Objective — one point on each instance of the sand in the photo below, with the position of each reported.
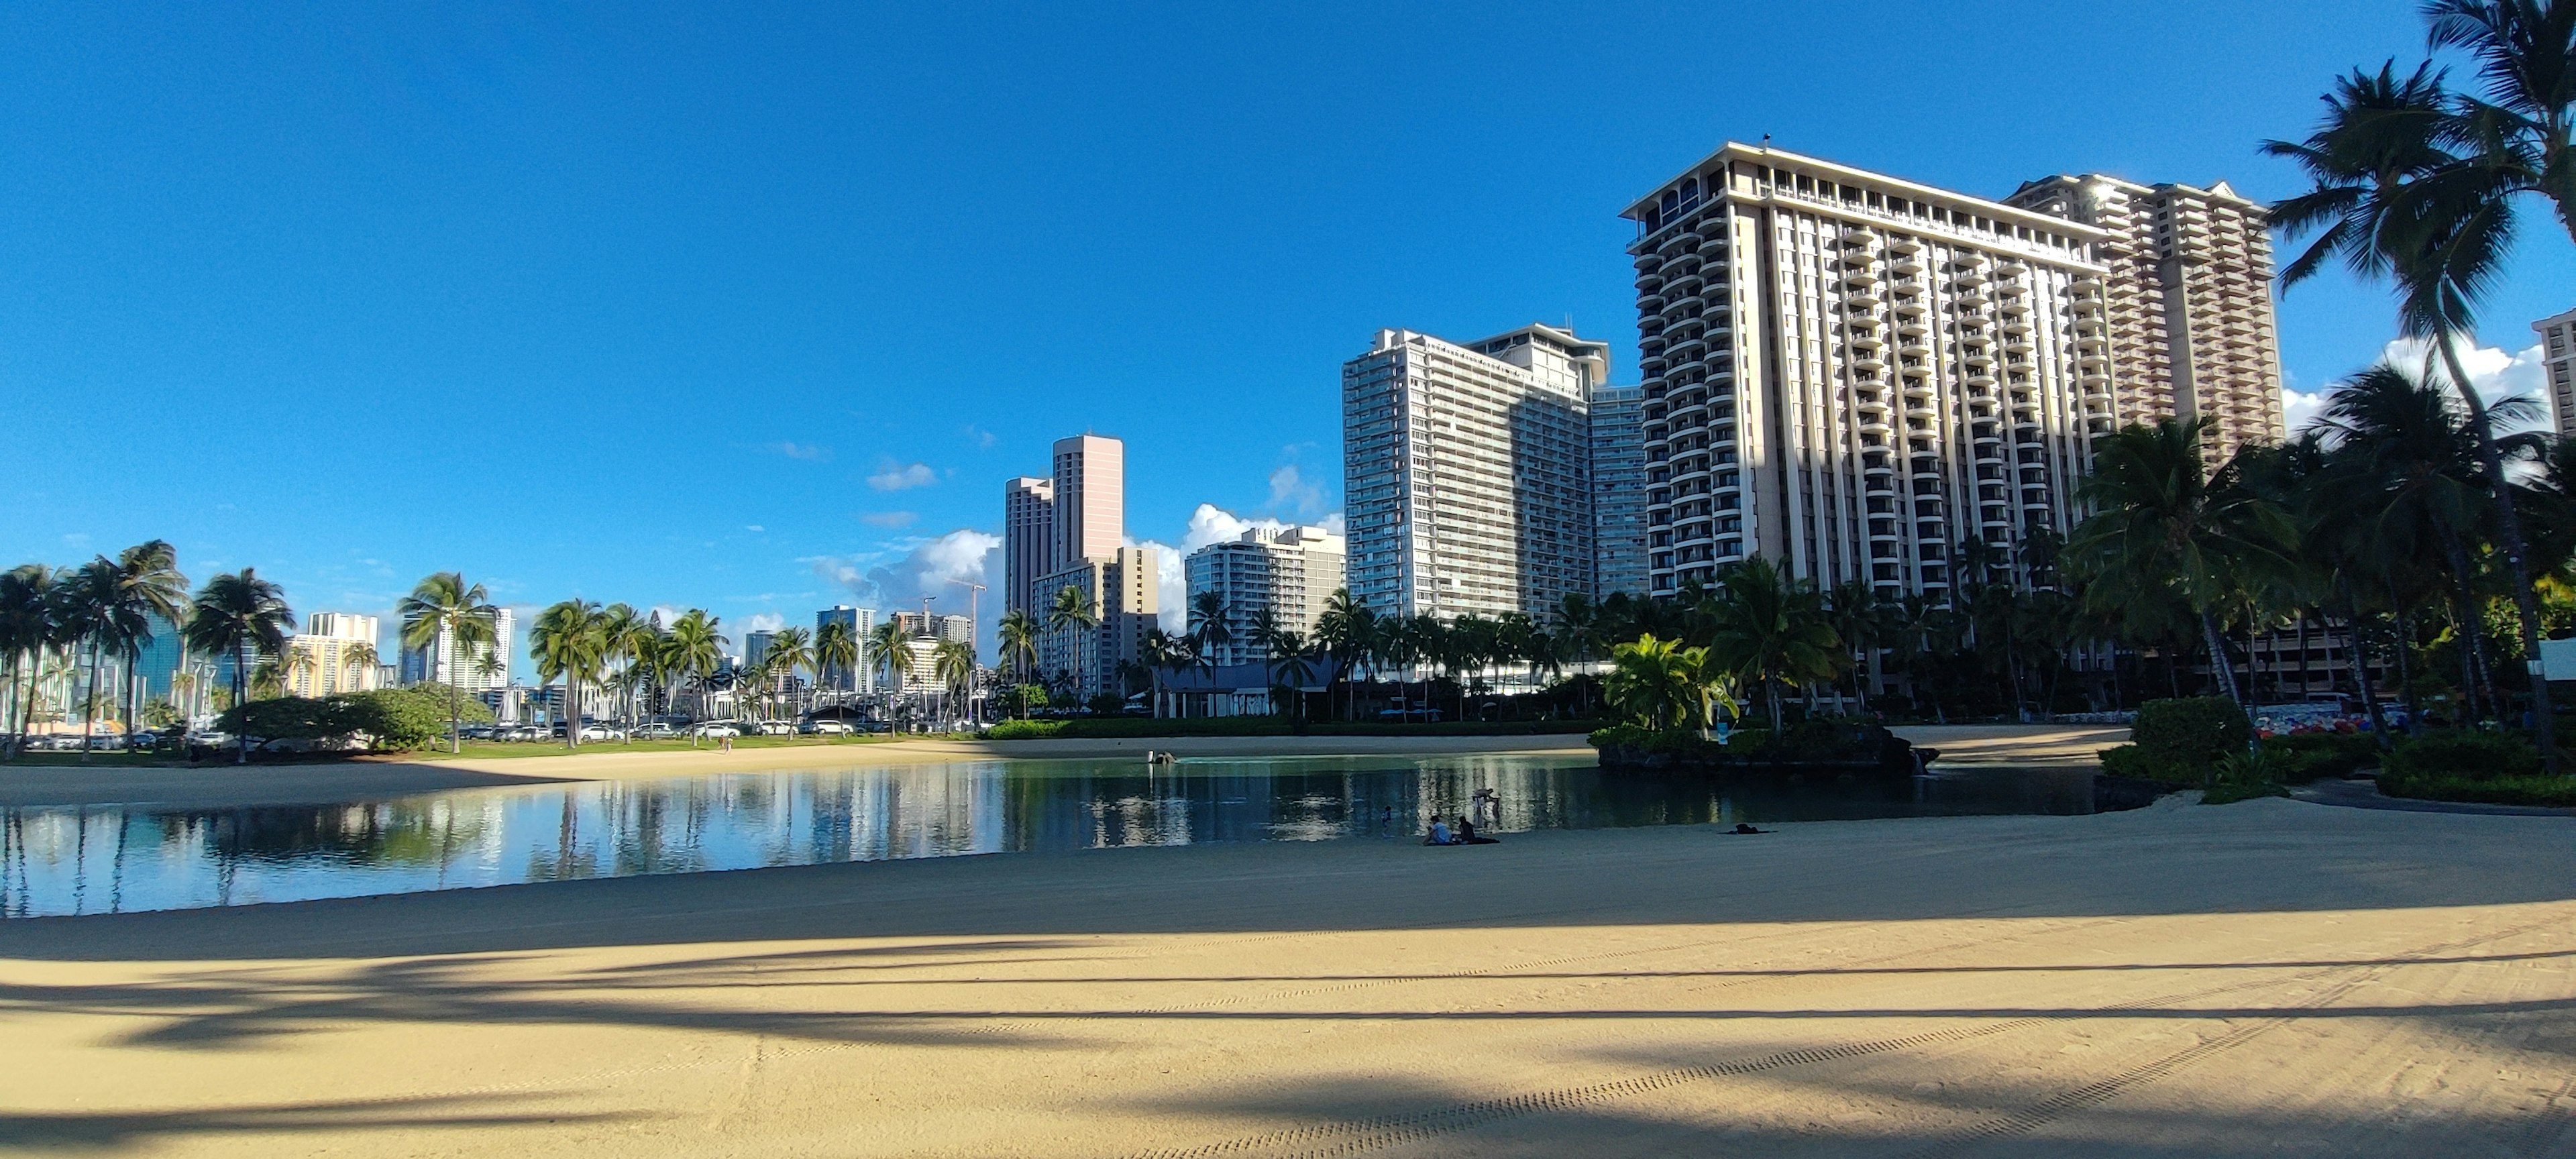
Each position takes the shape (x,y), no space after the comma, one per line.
(215,785)
(2269,977)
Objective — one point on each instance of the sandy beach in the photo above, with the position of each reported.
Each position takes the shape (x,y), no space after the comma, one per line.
(215,785)
(2266,977)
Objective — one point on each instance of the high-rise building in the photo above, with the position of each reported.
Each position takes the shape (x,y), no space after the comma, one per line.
(1028,539)
(440,662)
(326,658)
(2558,366)
(1618,425)
(1288,572)
(1122,588)
(1467,471)
(2192,332)
(1851,373)
(755,647)
(1090,507)
(936,628)
(859,677)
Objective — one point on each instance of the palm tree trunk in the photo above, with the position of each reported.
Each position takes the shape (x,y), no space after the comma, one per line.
(2509,536)
(241,693)
(2361,674)
(2218,658)
(125,679)
(89,702)
(2406,670)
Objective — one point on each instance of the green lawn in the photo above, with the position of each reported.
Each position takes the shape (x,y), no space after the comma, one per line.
(555,748)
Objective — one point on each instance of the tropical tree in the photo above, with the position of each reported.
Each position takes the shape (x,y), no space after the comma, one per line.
(791,650)
(145,583)
(1664,685)
(1291,664)
(240,615)
(1346,630)
(952,663)
(445,612)
(692,653)
(2418,186)
(31,624)
(836,651)
(1860,617)
(2160,531)
(1072,611)
(356,660)
(88,616)
(1771,629)
(569,642)
(1016,636)
(890,650)
(1210,622)
(626,639)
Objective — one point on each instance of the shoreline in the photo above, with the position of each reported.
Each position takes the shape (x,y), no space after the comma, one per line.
(216,785)
(2160,982)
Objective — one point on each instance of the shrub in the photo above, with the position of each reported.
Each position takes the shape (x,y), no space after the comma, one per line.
(389,719)
(2461,752)
(2312,756)
(2243,775)
(2195,732)
(2133,761)
(2516,789)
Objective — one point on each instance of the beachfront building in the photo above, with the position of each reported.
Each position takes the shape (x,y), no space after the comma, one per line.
(478,667)
(1288,572)
(1851,373)
(2558,367)
(1028,539)
(1467,471)
(1121,588)
(326,658)
(2189,295)
(1618,424)
(858,622)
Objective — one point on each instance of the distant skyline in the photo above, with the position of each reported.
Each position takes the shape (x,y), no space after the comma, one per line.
(756,309)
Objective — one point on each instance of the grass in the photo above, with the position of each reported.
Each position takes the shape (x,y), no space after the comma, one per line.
(1141,728)
(473,749)
(2510,789)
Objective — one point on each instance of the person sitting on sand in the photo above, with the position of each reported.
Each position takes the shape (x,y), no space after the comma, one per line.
(1439,833)
(1467,833)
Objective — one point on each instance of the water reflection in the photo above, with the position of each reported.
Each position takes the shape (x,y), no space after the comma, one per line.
(89,860)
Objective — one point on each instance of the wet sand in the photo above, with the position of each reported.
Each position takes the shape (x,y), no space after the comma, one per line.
(2263,978)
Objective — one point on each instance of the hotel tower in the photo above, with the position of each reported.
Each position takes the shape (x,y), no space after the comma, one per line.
(1852,374)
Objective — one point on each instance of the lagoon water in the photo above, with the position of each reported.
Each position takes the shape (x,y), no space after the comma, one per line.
(102,859)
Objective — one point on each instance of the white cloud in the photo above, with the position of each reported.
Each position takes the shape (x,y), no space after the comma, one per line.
(764,622)
(796,450)
(2496,373)
(1171,585)
(890,583)
(979,436)
(897,477)
(887,518)
(753,527)
(1290,492)
(1214,524)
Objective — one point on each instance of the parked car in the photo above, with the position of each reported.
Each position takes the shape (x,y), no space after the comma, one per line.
(776,728)
(591,732)
(826,727)
(655,731)
(715,730)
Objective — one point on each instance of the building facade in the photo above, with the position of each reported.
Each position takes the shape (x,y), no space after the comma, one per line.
(1467,472)
(2189,289)
(1851,374)
(335,653)
(1618,424)
(858,622)
(1288,572)
(1122,590)
(1090,508)
(2558,367)
(440,662)
(1028,539)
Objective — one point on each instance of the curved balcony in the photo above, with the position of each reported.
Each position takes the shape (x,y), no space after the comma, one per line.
(2013,308)
(1970,300)
(1860,280)
(1969,321)
(1898,243)
(1861,300)
(1908,306)
(1858,235)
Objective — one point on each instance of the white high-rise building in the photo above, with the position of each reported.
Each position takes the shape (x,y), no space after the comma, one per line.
(1618,424)
(1467,471)
(1851,373)
(1028,539)
(2558,367)
(2190,293)
(1288,572)
(325,657)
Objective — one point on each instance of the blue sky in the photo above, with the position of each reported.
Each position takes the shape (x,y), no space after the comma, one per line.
(754,307)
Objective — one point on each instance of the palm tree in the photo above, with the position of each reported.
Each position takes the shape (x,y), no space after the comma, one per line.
(2161,531)
(791,650)
(1291,663)
(89,594)
(1769,629)
(445,612)
(1664,685)
(1860,616)
(1345,629)
(356,660)
(569,642)
(1211,622)
(2526,54)
(626,637)
(1016,636)
(146,583)
(2394,201)
(30,624)
(1071,610)
(953,664)
(238,614)
(692,652)
(890,650)
(836,651)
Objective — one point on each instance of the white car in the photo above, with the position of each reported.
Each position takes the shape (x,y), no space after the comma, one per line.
(776,728)
(595,732)
(716,730)
(828,728)
(655,731)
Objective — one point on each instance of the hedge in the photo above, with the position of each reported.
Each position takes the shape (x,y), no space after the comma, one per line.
(391,719)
